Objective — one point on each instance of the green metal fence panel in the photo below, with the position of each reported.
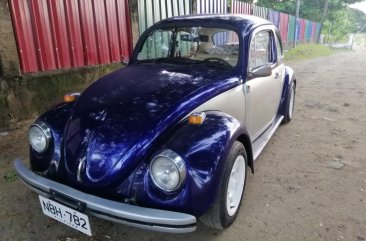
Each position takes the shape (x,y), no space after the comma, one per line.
(291,28)
(306,30)
(317,30)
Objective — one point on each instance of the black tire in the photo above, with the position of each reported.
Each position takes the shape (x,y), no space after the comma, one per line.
(289,111)
(217,215)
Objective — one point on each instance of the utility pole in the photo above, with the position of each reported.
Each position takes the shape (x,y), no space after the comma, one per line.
(323,19)
(296,20)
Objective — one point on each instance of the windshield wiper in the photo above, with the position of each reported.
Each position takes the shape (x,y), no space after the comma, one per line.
(170,60)
(219,63)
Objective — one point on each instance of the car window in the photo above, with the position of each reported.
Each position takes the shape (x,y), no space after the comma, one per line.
(186,45)
(156,45)
(279,47)
(260,50)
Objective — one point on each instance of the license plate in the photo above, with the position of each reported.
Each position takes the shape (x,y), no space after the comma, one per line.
(66,215)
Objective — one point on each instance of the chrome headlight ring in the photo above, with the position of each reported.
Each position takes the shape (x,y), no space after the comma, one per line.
(43,131)
(165,167)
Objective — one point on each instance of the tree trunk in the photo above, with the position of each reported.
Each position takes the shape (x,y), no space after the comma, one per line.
(323,18)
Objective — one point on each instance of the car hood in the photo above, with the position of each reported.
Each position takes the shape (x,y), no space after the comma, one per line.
(117,120)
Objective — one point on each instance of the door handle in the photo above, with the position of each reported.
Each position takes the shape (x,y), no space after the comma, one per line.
(247,89)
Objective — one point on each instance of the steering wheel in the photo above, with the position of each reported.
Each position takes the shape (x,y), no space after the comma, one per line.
(215,59)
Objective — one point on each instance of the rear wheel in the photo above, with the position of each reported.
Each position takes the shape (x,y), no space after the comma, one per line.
(290,104)
(226,206)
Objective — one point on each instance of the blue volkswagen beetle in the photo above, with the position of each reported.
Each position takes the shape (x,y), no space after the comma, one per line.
(169,138)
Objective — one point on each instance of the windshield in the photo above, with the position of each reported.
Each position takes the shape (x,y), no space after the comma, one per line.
(186,45)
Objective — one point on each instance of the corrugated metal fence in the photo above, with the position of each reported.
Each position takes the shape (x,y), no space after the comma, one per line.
(214,6)
(260,11)
(152,11)
(53,34)
(211,6)
(241,7)
(306,30)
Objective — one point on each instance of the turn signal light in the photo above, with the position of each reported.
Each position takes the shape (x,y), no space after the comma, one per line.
(197,118)
(68,98)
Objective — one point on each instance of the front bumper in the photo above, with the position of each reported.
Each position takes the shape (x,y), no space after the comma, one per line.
(146,218)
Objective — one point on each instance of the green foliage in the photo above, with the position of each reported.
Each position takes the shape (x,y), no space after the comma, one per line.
(341,19)
(338,25)
(358,17)
(342,22)
(309,9)
(307,51)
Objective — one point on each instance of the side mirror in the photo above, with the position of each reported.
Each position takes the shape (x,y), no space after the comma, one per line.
(262,71)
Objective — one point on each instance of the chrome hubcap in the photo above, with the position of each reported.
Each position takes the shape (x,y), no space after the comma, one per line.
(235,185)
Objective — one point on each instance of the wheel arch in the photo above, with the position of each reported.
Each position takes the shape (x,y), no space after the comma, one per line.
(56,119)
(245,140)
(205,149)
(289,79)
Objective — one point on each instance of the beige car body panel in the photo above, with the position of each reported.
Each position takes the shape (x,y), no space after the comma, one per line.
(242,101)
(231,102)
(267,91)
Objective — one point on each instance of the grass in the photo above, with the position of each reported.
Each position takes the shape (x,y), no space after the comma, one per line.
(307,51)
(10,176)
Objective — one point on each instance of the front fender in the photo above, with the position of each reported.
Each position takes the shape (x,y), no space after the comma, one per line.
(56,119)
(289,79)
(205,149)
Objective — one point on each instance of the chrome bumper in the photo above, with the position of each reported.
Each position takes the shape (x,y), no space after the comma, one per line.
(146,218)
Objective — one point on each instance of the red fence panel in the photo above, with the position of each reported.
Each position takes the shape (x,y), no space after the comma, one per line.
(101,32)
(283,26)
(112,28)
(23,28)
(76,50)
(302,29)
(59,28)
(124,30)
(54,34)
(313,33)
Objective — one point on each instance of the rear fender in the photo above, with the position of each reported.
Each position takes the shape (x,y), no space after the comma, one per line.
(205,149)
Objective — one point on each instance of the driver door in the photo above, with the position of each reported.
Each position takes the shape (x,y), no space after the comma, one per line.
(261,92)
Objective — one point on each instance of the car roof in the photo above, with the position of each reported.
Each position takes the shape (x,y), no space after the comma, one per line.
(237,20)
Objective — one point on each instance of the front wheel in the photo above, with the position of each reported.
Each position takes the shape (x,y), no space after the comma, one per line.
(226,206)
(290,104)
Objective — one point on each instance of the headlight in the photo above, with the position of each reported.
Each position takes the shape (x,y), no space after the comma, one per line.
(168,170)
(39,136)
